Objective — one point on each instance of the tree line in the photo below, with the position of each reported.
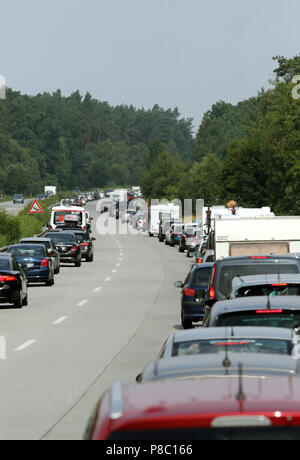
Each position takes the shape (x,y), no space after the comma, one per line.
(78,141)
(249,152)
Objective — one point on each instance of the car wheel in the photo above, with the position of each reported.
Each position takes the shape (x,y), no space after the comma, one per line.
(50,283)
(90,259)
(78,264)
(18,302)
(186,324)
(25,301)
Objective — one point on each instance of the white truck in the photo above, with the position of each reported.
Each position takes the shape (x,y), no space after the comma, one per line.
(157,211)
(50,190)
(256,236)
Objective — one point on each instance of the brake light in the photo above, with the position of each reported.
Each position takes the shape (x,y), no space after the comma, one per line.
(175,234)
(85,244)
(45,263)
(8,278)
(75,248)
(189,292)
(259,257)
(259,312)
(199,261)
(212,293)
(278,284)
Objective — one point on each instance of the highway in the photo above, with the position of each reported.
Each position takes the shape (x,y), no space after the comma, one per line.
(99,323)
(11,208)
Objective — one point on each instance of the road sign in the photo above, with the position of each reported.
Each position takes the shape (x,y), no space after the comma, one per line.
(35,208)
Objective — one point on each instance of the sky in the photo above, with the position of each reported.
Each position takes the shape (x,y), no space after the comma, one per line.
(176,53)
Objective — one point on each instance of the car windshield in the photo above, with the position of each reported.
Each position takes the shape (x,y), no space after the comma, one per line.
(261,317)
(253,345)
(59,216)
(62,237)
(201,277)
(5,264)
(228,272)
(269,290)
(26,250)
(19,196)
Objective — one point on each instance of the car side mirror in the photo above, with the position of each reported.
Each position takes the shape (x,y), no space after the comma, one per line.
(178,284)
(139,378)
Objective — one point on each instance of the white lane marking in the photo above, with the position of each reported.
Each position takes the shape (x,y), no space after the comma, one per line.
(98,289)
(118,265)
(121,259)
(108,279)
(114,271)
(25,345)
(60,320)
(81,304)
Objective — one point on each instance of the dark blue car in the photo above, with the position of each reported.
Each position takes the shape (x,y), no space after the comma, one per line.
(194,292)
(35,262)
(176,235)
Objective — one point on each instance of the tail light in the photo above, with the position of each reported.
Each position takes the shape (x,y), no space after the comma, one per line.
(45,263)
(278,284)
(199,261)
(212,293)
(85,244)
(176,234)
(7,278)
(268,311)
(259,257)
(189,292)
(75,248)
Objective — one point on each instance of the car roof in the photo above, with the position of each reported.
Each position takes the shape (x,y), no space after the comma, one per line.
(35,239)
(20,244)
(255,258)
(152,405)
(265,279)
(202,266)
(67,208)
(205,365)
(234,332)
(254,303)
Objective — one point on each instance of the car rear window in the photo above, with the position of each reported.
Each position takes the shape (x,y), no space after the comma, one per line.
(261,317)
(44,243)
(228,272)
(59,216)
(252,345)
(201,276)
(5,264)
(62,237)
(27,250)
(269,290)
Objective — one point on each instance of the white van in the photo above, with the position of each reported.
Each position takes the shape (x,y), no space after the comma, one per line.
(61,213)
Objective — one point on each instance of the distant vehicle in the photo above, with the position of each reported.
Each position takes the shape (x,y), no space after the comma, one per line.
(266,285)
(233,407)
(207,257)
(234,339)
(279,311)
(51,250)
(13,282)
(226,269)
(157,213)
(188,232)
(41,197)
(193,294)
(86,243)
(193,242)
(60,214)
(176,235)
(50,190)
(35,262)
(68,247)
(164,226)
(169,233)
(19,199)
(221,365)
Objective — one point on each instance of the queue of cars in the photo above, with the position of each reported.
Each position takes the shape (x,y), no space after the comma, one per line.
(38,259)
(237,375)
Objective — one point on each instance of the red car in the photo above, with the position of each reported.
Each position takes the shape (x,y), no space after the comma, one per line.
(223,408)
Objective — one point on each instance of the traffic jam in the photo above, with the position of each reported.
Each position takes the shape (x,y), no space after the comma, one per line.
(37,260)
(232,371)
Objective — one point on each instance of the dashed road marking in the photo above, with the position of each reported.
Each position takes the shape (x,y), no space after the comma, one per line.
(25,345)
(81,304)
(60,320)
(98,289)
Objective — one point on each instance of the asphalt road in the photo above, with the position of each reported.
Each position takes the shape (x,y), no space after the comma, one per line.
(99,323)
(12,208)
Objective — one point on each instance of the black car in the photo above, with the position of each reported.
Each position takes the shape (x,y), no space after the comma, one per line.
(68,247)
(278,311)
(226,269)
(86,243)
(13,282)
(194,292)
(50,247)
